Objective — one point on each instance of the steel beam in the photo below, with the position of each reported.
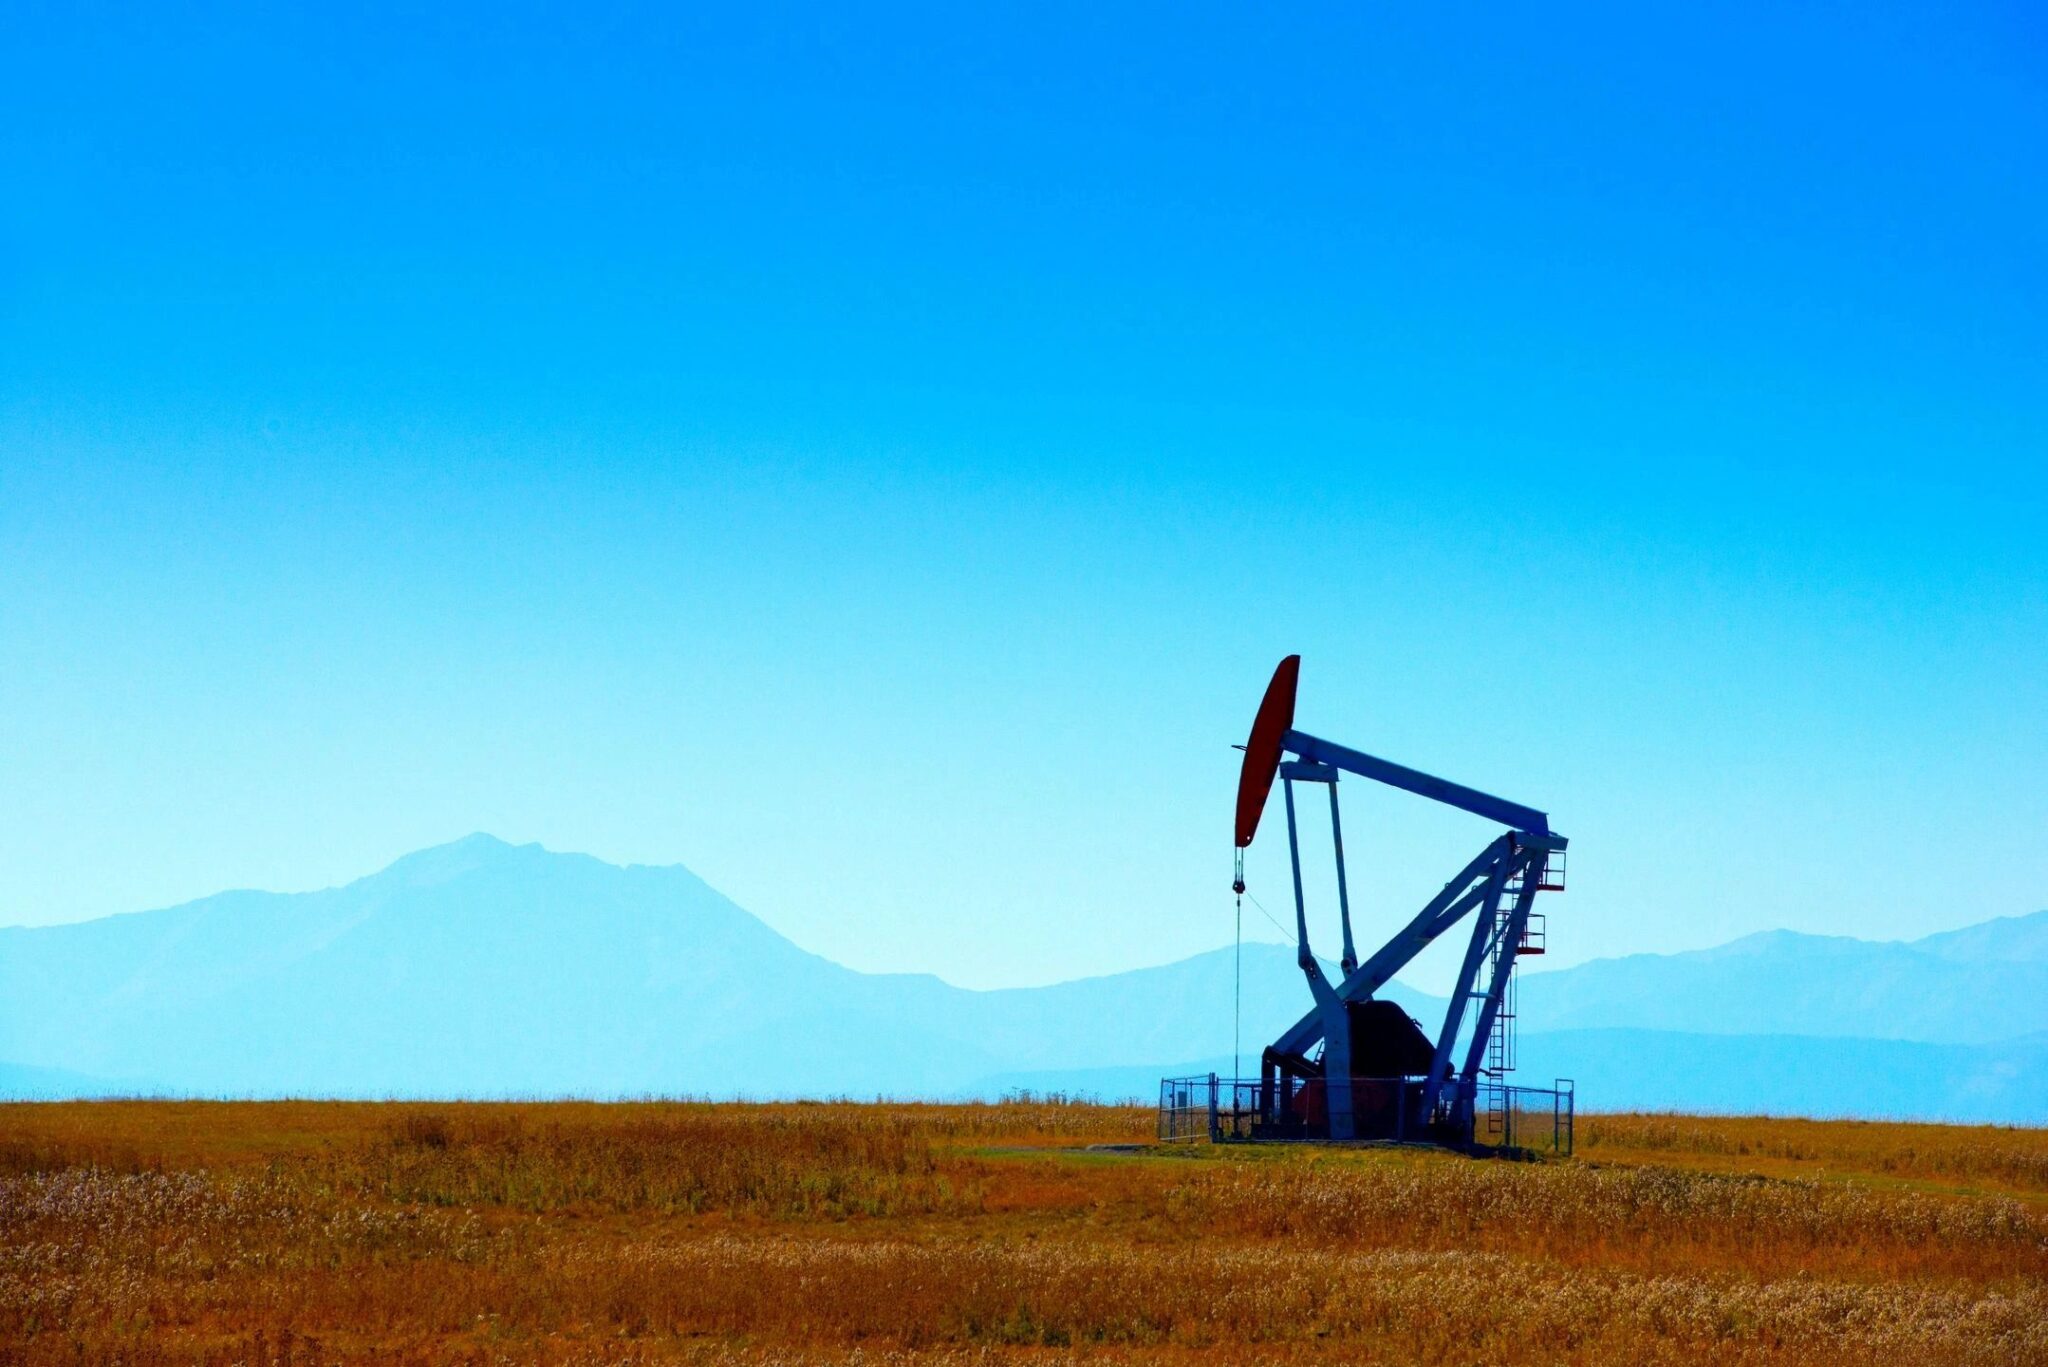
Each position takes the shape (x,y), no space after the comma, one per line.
(1315,750)
(1350,960)
(1304,957)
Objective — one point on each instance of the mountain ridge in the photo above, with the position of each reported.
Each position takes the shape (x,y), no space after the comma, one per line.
(480,967)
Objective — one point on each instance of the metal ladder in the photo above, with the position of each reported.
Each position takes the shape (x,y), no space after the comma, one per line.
(1500,1045)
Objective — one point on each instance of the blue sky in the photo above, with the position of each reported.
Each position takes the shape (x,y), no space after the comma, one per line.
(875,459)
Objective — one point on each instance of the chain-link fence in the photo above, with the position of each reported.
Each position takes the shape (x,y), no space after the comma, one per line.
(1528,1119)
(1284,1107)
(1208,1106)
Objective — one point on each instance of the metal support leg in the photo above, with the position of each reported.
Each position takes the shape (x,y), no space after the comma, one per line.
(1486,916)
(1337,1063)
(1511,935)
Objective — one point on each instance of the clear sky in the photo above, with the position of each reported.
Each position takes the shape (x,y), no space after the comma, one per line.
(876,458)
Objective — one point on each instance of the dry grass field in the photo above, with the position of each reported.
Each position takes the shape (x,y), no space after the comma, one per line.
(328,1233)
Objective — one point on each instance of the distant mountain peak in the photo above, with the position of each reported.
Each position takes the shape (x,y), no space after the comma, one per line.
(444,863)
(1764,942)
(2009,939)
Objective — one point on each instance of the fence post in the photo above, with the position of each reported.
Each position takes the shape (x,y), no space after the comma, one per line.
(1215,1128)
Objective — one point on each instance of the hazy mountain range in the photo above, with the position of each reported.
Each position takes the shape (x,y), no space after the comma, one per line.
(480,968)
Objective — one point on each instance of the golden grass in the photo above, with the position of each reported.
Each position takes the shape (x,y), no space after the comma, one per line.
(174,1233)
(2005,1158)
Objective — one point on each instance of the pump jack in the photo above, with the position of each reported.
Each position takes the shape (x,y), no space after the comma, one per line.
(1377,1074)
